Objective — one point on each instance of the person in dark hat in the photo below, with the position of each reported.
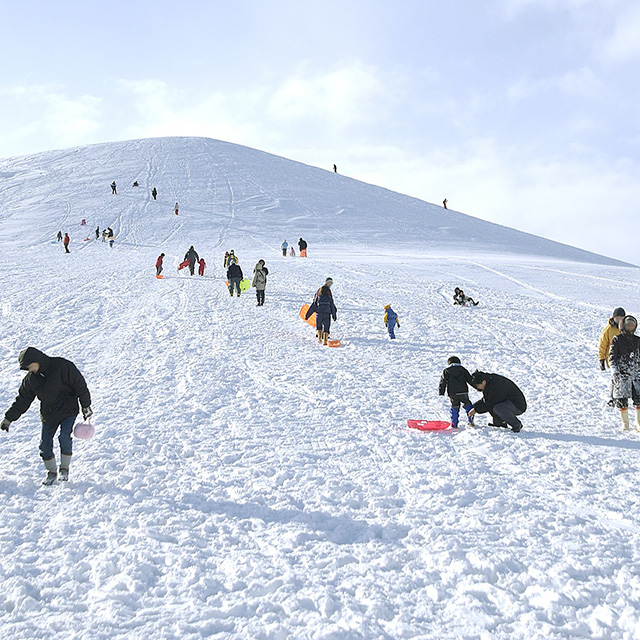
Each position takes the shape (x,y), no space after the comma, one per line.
(608,334)
(624,358)
(501,397)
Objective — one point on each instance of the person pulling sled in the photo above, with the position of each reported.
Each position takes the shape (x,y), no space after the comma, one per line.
(325,309)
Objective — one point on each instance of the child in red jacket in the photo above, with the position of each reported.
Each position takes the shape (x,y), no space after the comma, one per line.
(202,264)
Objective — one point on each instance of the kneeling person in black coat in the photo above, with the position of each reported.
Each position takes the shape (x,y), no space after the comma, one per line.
(58,385)
(502,398)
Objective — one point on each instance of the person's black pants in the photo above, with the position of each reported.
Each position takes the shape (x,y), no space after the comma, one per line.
(260,296)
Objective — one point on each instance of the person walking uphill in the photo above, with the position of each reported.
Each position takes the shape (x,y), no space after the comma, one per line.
(201,266)
(59,386)
(66,242)
(191,257)
(325,309)
(234,276)
(501,398)
(114,190)
(624,359)
(608,334)
(259,283)
(454,382)
(391,321)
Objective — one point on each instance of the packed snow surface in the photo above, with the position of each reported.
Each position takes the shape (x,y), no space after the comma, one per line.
(246,482)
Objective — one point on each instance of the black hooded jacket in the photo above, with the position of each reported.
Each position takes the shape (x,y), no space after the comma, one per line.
(58,385)
(500,389)
(192,256)
(454,381)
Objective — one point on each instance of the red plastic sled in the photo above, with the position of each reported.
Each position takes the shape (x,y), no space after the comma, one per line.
(312,318)
(183,265)
(428,425)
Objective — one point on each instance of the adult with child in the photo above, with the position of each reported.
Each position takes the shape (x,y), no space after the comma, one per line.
(461,299)
(59,386)
(611,330)
(234,277)
(624,359)
(501,397)
(259,283)
(454,382)
(325,309)
(190,259)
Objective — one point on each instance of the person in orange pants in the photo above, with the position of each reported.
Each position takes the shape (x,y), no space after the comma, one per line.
(202,264)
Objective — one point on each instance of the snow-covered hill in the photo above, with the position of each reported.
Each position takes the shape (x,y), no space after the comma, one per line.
(245,482)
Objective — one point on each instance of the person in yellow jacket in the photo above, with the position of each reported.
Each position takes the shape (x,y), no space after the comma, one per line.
(608,334)
(391,321)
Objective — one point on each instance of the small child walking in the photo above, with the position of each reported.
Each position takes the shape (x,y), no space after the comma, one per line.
(202,264)
(454,382)
(159,264)
(391,321)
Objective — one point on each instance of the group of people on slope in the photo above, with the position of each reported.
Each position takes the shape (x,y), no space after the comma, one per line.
(460,298)
(191,257)
(619,349)
(107,234)
(501,397)
(302,245)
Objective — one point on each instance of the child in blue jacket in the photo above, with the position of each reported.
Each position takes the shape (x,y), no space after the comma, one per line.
(391,320)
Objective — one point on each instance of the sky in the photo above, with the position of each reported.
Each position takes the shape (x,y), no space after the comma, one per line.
(521,112)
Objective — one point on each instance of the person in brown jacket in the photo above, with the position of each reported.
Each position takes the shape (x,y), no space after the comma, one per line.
(608,334)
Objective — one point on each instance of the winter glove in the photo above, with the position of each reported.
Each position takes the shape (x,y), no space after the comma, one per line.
(603,364)
(87,412)
(5,425)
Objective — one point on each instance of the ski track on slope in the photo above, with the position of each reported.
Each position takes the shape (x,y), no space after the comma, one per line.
(246,482)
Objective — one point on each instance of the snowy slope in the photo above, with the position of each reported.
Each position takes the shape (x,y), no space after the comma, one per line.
(245,482)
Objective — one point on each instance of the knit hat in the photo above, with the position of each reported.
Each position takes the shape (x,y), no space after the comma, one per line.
(618,311)
(387,306)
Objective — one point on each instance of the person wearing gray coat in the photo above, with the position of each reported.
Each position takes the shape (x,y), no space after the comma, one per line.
(624,358)
(260,273)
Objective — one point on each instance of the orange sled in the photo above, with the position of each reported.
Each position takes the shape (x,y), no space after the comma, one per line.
(312,319)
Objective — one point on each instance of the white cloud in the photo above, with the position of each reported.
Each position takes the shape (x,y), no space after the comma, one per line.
(582,82)
(624,44)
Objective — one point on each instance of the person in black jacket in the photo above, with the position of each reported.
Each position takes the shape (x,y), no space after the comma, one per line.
(302,245)
(325,309)
(193,257)
(234,276)
(154,193)
(454,382)
(58,385)
(501,398)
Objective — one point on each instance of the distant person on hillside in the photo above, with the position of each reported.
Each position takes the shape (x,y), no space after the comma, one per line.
(391,321)
(154,193)
(327,283)
(234,276)
(114,190)
(59,386)
(59,236)
(226,259)
(444,203)
(608,334)
(260,273)
(104,235)
(460,298)
(175,209)
(325,309)
(66,242)
(97,233)
(292,252)
(624,358)
(159,264)
(335,169)
(454,382)
(232,259)
(191,257)
(135,184)
(201,266)
(110,235)
(83,222)
(284,247)
(501,398)
(302,245)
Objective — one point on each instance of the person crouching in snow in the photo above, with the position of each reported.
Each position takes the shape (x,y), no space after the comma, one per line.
(501,397)
(325,309)
(260,273)
(454,382)
(159,262)
(201,265)
(624,360)
(391,321)
(58,385)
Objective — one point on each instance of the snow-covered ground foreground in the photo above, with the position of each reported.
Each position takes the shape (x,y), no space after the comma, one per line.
(245,482)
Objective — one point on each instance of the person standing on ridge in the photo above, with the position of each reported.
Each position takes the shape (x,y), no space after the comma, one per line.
(114,190)
(66,242)
(175,209)
(454,382)
(608,334)
(624,359)
(59,386)
(159,264)
(335,169)
(154,193)
(234,276)
(202,264)
(302,245)
(260,273)
(501,397)
(284,247)
(444,203)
